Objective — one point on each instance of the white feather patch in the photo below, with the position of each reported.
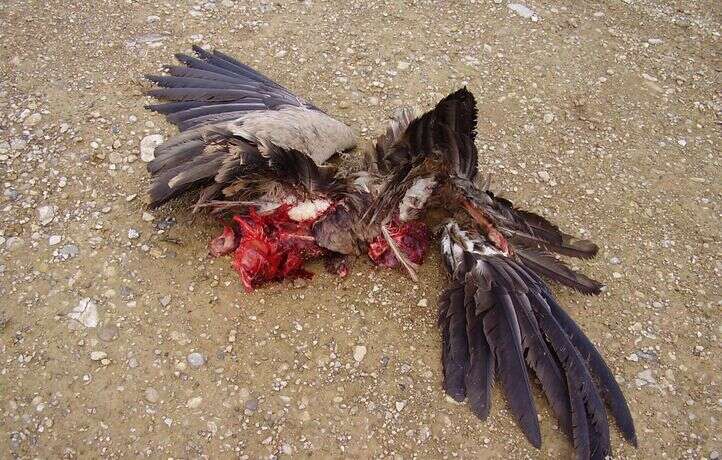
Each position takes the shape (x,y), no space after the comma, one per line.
(415,198)
(308,210)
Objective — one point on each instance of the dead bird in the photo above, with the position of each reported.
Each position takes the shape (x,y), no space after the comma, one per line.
(497,315)
(254,151)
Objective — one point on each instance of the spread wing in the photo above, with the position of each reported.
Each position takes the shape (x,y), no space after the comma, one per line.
(235,171)
(498,320)
(416,153)
(213,98)
(434,156)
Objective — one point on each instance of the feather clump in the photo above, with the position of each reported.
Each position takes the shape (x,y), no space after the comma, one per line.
(498,318)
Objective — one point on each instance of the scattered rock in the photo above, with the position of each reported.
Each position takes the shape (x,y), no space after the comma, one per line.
(151,395)
(645,378)
(108,332)
(422,303)
(523,11)
(543,176)
(32,120)
(133,234)
(649,77)
(165,300)
(359,352)
(18,144)
(251,405)
(424,434)
(14,243)
(68,251)
(54,239)
(98,355)
(148,145)
(46,214)
(195,360)
(84,314)
(194,402)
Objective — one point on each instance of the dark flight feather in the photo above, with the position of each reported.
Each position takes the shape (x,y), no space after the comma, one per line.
(192,82)
(479,376)
(581,380)
(541,360)
(502,332)
(608,385)
(200,94)
(523,325)
(547,265)
(183,71)
(195,112)
(452,319)
(533,230)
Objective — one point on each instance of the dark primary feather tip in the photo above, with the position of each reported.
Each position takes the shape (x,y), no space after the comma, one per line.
(523,328)
(585,248)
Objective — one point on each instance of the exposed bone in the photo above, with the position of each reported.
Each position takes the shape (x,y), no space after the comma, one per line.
(408,265)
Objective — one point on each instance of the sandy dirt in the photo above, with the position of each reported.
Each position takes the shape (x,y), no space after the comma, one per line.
(604,116)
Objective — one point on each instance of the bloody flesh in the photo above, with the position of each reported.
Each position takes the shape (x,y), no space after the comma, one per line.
(272,246)
(412,238)
(267,247)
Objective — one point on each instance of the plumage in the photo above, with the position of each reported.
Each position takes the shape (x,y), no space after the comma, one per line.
(455,356)
(556,270)
(608,386)
(522,331)
(222,105)
(256,151)
(502,332)
(581,381)
(479,376)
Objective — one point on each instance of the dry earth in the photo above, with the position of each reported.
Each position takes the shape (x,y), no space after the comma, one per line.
(603,115)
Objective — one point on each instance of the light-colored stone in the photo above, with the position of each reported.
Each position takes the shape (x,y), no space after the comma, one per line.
(46,214)
(359,353)
(148,145)
(151,395)
(544,176)
(32,120)
(195,360)
(98,355)
(84,314)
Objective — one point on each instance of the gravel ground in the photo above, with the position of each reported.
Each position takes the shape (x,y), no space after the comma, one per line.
(119,337)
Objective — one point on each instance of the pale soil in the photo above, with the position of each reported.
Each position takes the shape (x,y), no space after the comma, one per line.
(625,128)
